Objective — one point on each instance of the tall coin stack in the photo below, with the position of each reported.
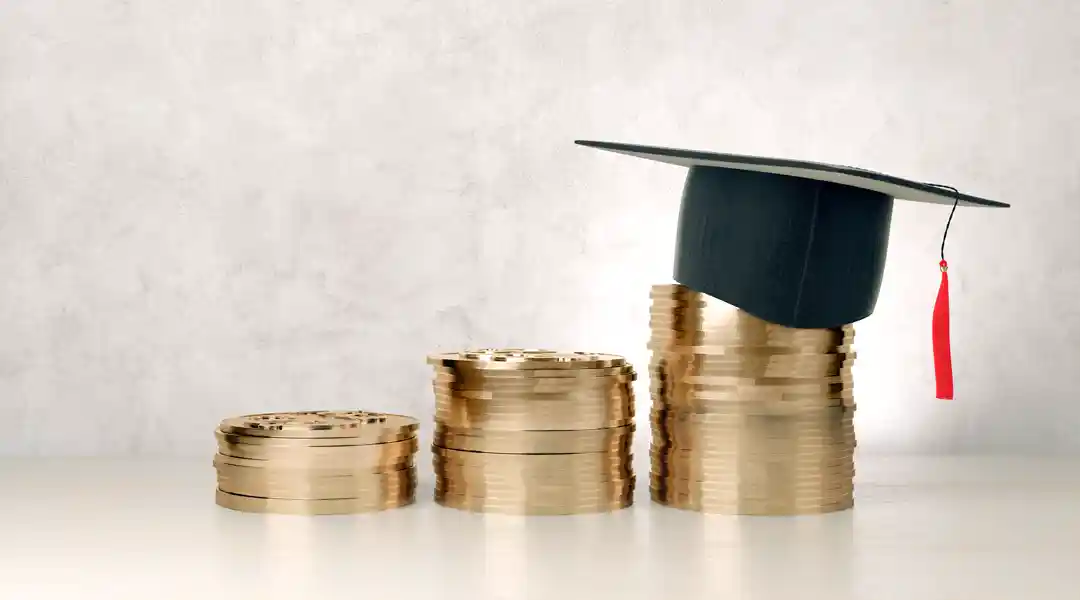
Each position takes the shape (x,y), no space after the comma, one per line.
(316,462)
(748,417)
(533,431)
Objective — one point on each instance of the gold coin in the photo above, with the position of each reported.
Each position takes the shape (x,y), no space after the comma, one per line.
(545,474)
(569,502)
(763,453)
(726,424)
(824,414)
(752,455)
(378,485)
(810,371)
(593,386)
(354,454)
(532,471)
(354,425)
(779,494)
(616,394)
(567,376)
(764,408)
(746,440)
(666,388)
(372,464)
(535,416)
(536,493)
(760,407)
(744,476)
(310,507)
(691,438)
(560,404)
(300,443)
(267,469)
(506,359)
(525,460)
(610,439)
(717,451)
(723,355)
(473,504)
(756,507)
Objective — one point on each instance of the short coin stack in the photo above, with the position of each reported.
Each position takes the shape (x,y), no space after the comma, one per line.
(533,431)
(316,462)
(748,417)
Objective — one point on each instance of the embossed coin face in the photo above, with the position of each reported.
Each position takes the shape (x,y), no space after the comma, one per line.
(362,426)
(518,358)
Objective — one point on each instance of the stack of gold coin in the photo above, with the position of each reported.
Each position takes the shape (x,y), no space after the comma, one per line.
(533,431)
(748,417)
(316,462)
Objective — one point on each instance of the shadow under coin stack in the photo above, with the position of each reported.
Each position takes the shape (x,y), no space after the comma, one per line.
(748,417)
(316,462)
(533,431)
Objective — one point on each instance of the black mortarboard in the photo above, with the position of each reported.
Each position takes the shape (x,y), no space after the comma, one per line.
(796,243)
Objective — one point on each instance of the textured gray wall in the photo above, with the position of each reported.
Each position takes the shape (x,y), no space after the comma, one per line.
(209,208)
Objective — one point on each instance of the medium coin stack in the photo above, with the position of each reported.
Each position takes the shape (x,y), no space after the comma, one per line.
(533,431)
(316,462)
(748,417)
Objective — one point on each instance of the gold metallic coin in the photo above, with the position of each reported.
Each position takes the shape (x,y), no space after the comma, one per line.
(763,368)
(492,359)
(590,386)
(764,408)
(355,425)
(526,460)
(475,504)
(759,507)
(300,443)
(369,454)
(761,407)
(566,376)
(536,493)
(765,453)
(671,390)
(536,475)
(691,437)
(823,493)
(532,416)
(719,450)
(745,476)
(824,414)
(311,507)
(320,488)
(619,394)
(611,439)
(375,463)
(274,469)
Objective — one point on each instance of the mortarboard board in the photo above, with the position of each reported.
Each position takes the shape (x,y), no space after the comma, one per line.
(796,243)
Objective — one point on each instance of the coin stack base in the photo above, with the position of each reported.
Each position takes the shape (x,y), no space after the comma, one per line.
(533,432)
(316,462)
(748,417)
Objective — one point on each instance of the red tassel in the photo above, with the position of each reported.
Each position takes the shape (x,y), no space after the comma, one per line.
(942,349)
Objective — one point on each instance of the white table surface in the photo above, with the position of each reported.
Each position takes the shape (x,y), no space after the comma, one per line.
(923,528)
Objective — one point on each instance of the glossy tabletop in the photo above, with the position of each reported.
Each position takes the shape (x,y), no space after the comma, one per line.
(926,528)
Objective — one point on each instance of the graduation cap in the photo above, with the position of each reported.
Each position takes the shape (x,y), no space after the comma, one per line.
(796,243)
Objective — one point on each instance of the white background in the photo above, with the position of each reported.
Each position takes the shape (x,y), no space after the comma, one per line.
(211,208)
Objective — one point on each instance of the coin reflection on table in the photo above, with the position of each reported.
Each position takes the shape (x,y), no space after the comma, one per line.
(533,432)
(748,417)
(316,462)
